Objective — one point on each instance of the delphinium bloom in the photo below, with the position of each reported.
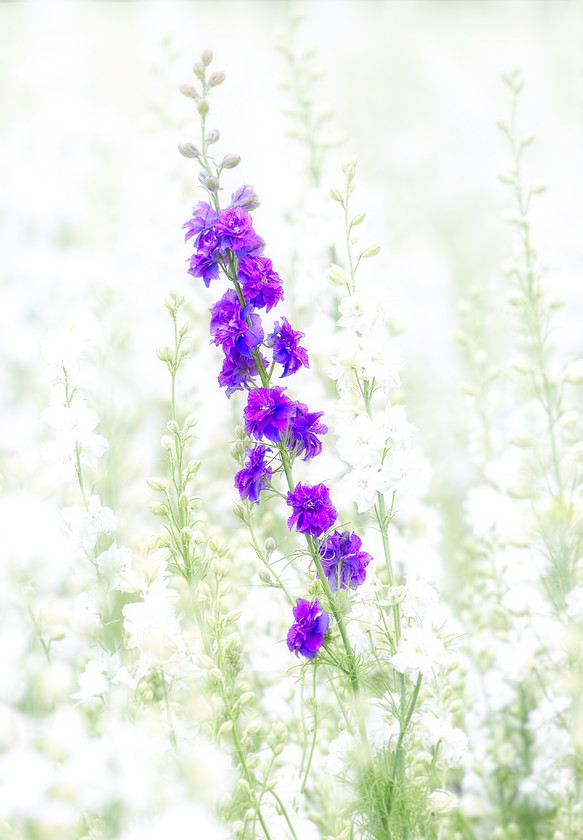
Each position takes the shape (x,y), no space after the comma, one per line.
(261,284)
(304,430)
(313,512)
(267,413)
(286,349)
(203,218)
(343,561)
(237,371)
(256,474)
(234,326)
(234,231)
(204,261)
(306,635)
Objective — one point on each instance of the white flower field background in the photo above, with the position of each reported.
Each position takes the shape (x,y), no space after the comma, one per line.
(291,440)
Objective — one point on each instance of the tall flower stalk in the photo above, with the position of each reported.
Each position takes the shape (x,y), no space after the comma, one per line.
(279,429)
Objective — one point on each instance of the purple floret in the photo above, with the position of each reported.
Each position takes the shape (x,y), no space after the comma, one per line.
(203,218)
(343,561)
(261,284)
(235,327)
(267,413)
(234,230)
(256,474)
(303,431)
(237,371)
(204,261)
(313,512)
(286,349)
(306,635)
(245,197)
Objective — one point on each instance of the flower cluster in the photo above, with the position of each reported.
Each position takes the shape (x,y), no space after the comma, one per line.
(225,241)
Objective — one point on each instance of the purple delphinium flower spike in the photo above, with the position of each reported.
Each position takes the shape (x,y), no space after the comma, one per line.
(256,474)
(234,230)
(303,430)
(343,561)
(286,349)
(313,512)
(267,413)
(306,635)
(261,284)
(230,325)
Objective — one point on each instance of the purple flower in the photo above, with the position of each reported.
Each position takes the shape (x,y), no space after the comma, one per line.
(256,474)
(261,284)
(203,262)
(237,371)
(245,197)
(267,413)
(286,349)
(306,635)
(203,218)
(313,512)
(303,430)
(343,561)
(234,326)
(234,230)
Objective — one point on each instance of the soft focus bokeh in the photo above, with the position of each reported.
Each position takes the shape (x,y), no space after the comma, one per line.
(93,194)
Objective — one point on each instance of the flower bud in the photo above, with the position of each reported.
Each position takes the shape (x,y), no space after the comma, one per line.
(159,509)
(372,251)
(230,161)
(217,78)
(203,108)
(442,801)
(212,184)
(336,275)
(269,546)
(172,427)
(189,91)
(213,136)
(207,57)
(188,150)
(164,354)
(158,484)
(265,576)
(198,70)
(204,591)
(225,728)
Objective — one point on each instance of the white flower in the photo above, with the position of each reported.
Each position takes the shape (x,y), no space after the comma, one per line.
(112,561)
(363,486)
(397,427)
(442,801)
(358,312)
(420,599)
(73,425)
(362,442)
(452,743)
(344,366)
(151,624)
(85,524)
(380,728)
(336,761)
(93,682)
(379,360)
(419,650)
(85,618)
